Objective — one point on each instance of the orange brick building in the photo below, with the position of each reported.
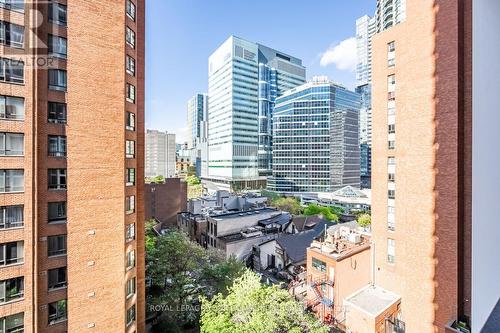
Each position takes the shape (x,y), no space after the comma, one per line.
(336,268)
(71,166)
(421,180)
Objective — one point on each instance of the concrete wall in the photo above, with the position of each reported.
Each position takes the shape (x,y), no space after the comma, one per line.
(486,161)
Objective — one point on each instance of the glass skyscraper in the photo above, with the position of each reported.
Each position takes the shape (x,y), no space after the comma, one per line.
(316,139)
(244,80)
(197,108)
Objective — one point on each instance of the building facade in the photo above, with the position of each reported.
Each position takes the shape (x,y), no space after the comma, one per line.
(366,27)
(197,141)
(389,13)
(244,80)
(421,184)
(163,201)
(161,154)
(196,111)
(316,139)
(72,221)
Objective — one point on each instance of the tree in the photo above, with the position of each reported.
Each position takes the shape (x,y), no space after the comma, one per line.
(192,180)
(180,272)
(364,220)
(290,204)
(253,307)
(326,212)
(158,179)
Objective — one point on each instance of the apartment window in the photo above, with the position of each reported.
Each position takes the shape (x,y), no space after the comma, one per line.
(11,289)
(130,204)
(57,179)
(11,70)
(58,79)
(130,177)
(11,253)
(131,10)
(130,259)
(56,245)
(391,251)
(130,235)
(391,54)
(391,177)
(11,181)
(130,65)
(131,315)
(130,37)
(130,93)
(57,113)
(11,107)
(130,121)
(391,144)
(391,221)
(130,289)
(57,278)
(391,194)
(392,128)
(318,265)
(58,13)
(57,145)
(57,212)
(58,46)
(14,5)
(13,323)
(11,144)
(11,217)
(11,34)
(130,149)
(391,46)
(58,311)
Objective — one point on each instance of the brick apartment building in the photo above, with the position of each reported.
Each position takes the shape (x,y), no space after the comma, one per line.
(72,129)
(421,175)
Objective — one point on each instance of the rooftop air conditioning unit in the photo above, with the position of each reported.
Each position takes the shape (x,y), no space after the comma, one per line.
(354,238)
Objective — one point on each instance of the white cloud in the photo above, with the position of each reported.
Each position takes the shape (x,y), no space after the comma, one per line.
(343,55)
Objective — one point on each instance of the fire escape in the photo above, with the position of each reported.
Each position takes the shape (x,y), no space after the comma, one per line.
(321,298)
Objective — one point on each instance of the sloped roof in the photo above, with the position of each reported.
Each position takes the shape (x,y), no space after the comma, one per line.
(303,222)
(295,245)
(493,323)
(349,192)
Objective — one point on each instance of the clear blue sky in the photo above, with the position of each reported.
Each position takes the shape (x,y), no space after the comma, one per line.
(181,34)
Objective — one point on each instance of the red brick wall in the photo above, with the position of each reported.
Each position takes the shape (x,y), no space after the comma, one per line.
(164,201)
(428,163)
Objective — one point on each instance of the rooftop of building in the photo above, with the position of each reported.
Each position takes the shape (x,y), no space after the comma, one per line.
(347,194)
(259,214)
(342,241)
(272,225)
(315,82)
(295,245)
(372,300)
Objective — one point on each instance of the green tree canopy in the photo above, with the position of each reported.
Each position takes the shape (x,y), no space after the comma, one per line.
(326,212)
(158,179)
(364,220)
(192,180)
(180,272)
(289,204)
(251,307)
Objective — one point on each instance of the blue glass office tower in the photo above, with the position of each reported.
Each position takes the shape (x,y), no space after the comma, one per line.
(316,139)
(244,81)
